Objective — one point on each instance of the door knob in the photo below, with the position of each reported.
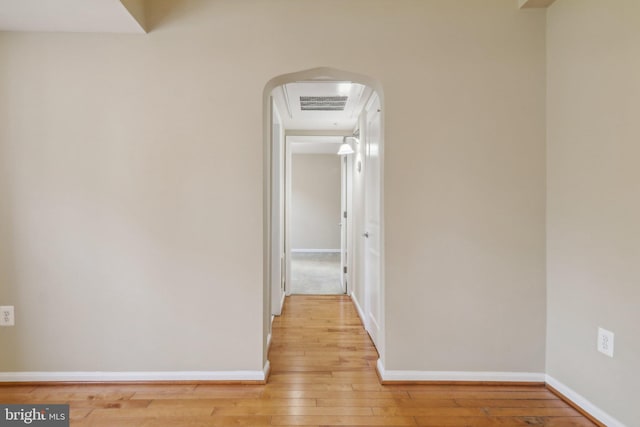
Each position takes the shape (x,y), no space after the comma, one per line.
(366,234)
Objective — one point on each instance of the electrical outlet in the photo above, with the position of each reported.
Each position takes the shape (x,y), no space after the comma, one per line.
(605,342)
(6,315)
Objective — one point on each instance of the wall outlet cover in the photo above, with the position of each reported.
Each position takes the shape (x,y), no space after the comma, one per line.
(7,317)
(605,342)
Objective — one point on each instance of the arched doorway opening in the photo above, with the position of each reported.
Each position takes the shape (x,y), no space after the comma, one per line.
(320,107)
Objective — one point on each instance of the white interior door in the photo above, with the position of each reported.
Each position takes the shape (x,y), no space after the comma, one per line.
(343,224)
(372,241)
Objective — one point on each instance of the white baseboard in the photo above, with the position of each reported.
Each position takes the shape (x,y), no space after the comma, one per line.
(583,403)
(358,308)
(316,250)
(134,376)
(532,377)
(266,370)
(269,334)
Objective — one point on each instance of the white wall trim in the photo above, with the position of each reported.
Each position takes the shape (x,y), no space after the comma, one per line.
(269,334)
(265,370)
(316,250)
(358,309)
(583,403)
(134,376)
(533,377)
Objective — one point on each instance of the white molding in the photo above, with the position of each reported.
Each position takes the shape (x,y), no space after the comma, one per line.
(315,250)
(375,323)
(269,334)
(265,370)
(533,377)
(358,308)
(287,102)
(133,376)
(583,403)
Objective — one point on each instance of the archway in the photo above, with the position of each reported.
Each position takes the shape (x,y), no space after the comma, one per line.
(368,294)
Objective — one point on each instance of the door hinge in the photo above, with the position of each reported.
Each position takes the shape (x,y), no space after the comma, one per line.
(344,214)
(344,269)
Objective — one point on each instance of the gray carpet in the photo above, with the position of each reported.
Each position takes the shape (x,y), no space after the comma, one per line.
(315,273)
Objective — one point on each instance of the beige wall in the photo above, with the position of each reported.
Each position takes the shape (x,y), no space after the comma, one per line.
(132,182)
(315,201)
(465,191)
(593,248)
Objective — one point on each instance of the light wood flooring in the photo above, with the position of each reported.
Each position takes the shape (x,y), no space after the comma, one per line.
(322,375)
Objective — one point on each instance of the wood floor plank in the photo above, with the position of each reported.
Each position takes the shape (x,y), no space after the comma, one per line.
(477,422)
(243,403)
(463,394)
(207,421)
(310,387)
(310,394)
(513,403)
(534,412)
(112,404)
(388,403)
(12,389)
(296,410)
(342,421)
(322,374)
(431,412)
(201,395)
(567,422)
(76,414)
(151,412)
(503,421)
(52,396)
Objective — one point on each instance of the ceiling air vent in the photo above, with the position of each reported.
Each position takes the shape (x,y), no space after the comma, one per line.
(323,103)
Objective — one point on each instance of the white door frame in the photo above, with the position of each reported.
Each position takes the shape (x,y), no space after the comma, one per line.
(271,229)
(345,229)
(288,185)
(277,210)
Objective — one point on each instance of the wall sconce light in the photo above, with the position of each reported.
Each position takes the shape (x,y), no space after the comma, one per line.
(346,148)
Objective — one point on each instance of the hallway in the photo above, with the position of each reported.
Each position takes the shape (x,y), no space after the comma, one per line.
(322,375)
(315,273)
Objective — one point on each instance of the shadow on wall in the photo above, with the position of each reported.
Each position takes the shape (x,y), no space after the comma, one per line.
(162,12)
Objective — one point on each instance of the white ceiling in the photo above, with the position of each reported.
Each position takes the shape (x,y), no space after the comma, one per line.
(287,99)
(91,16)
(315,144)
